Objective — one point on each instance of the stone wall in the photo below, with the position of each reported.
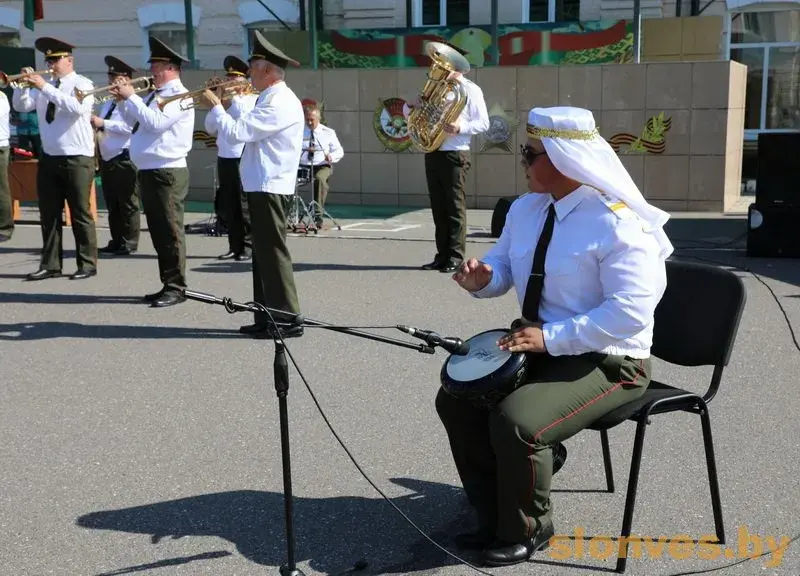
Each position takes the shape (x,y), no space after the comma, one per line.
(689,159)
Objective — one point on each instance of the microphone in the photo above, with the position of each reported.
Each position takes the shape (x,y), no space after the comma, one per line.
(453,345)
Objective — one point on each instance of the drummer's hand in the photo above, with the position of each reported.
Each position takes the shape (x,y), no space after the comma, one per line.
(473,275)
(527,339)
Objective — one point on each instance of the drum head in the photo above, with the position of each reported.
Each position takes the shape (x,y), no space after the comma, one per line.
(484,358)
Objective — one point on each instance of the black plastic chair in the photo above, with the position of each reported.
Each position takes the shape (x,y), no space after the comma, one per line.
(695,325)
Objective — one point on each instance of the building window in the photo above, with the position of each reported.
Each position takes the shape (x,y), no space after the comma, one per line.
(9,39)
(255,17)
(551,10)
(768,43)
(167,22)
(441,12)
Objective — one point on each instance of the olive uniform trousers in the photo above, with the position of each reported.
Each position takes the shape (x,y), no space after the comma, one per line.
(446,173)
(6,202)
(504,456)
(233,205)
(121,193)
(273,275)
(321,174)
(60,178)
(164,193)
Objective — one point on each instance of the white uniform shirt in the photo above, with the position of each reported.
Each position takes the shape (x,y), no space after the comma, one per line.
(71,132)
(603,274)
(226,147)
(163,139)
(474,118)
(325,142)
(273,136)
(5,124)
(116,134)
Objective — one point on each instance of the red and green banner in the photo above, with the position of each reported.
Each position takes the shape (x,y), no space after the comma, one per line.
(34,10)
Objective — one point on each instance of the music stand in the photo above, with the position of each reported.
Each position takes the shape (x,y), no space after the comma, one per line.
(281,375)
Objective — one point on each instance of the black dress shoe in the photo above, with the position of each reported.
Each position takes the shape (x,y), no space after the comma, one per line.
(230,255)
(253,328)
(502,553)
(124,251)
(83,274)
(154,296)
(4,237)
(43,274)
(243,256)
(450,266)
(110,248)
(168,299)
(559,456)
(435,265)
(286,332)
(474,540)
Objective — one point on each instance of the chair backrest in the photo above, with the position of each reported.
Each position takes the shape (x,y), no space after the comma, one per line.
(697,319)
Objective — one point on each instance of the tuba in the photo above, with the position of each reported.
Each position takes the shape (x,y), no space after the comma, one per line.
(426,124)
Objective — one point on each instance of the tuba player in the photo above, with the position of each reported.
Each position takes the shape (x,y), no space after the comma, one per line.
(446,172)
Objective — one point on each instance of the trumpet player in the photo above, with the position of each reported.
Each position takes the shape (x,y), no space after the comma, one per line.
(160,142)
(272,134)
(231,202)
(66,167)
(118,173)
(6,202)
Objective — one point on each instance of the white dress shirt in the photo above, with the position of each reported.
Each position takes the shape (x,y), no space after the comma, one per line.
(325,142)
(163,139)
(227,147)
(116,133)
(474,118)
(273,136)
(71,132)
(5,124)
(603,274)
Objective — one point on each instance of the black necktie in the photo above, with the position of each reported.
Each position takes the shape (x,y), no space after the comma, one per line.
(147,104)
(110,111)
(533,292)
(311,149)
(50,115)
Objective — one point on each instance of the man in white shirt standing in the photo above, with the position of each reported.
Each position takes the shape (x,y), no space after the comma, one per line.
(589,270)
(6,203)
(160,142)
(118,173)
(446,172)
(321,150)
(231,200)
(273,137)
(66,166)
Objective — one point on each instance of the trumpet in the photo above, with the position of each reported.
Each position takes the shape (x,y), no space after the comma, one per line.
(18,80)
(193,98)
(142,84)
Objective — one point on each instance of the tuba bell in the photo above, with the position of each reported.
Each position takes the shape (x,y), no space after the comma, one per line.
(426,124)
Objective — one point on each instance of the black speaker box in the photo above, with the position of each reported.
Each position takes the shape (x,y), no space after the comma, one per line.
(499,215)
(773,231)
(778,175)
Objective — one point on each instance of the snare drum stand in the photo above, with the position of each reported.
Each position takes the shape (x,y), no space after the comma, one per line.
(281,375)
(300,219)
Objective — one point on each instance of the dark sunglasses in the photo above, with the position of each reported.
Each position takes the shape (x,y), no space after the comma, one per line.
(529,155)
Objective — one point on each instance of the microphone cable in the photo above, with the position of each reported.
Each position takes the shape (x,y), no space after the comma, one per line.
(361,564)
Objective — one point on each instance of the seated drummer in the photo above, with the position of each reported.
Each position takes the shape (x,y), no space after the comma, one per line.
(587,331)
(321,150)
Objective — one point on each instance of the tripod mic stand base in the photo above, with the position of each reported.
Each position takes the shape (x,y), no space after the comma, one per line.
(285,571)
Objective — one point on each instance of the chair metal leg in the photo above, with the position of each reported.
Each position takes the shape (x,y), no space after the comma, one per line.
(713,481)
(633,483)
(607,460)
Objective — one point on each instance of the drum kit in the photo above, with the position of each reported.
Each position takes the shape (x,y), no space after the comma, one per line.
(487,374)
(305,218)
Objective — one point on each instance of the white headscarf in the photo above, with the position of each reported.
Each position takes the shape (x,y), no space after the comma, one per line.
(575,147)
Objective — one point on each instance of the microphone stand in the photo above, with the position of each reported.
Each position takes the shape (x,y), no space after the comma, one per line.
(281,374)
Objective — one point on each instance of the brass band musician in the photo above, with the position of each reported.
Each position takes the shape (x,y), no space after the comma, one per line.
(118,173)
(66,166)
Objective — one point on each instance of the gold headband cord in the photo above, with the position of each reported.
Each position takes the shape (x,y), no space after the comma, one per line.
(572,134)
